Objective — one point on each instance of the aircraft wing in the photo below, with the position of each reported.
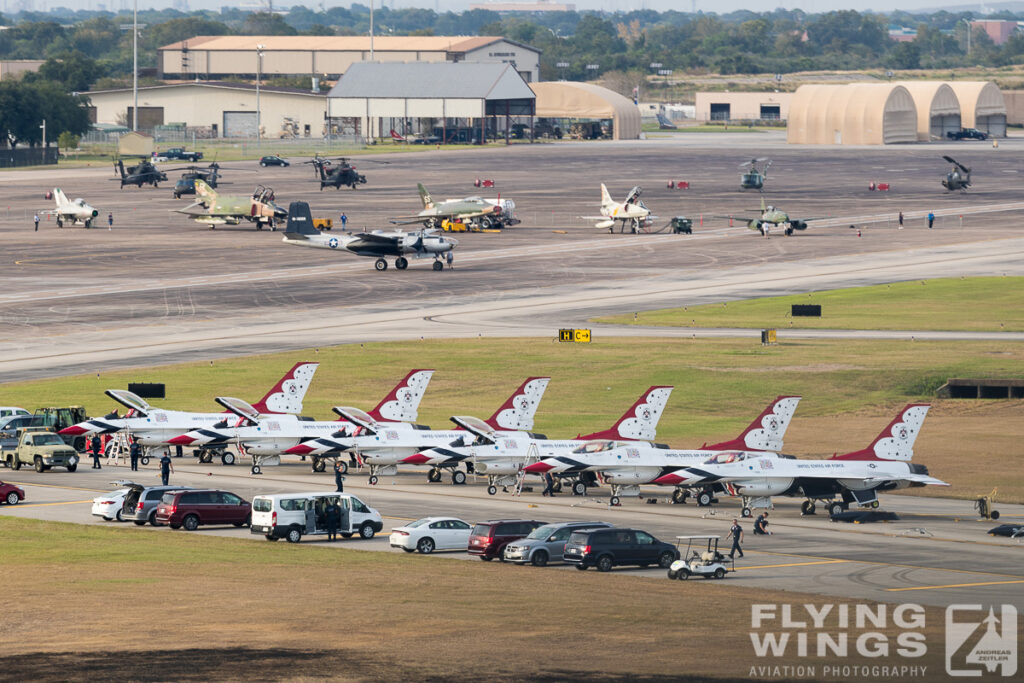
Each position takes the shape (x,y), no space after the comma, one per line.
(383,240)
(913,478)
(595,218)
(409,220)
(746,219)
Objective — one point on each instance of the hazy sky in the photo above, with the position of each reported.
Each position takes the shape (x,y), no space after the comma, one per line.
(720,6)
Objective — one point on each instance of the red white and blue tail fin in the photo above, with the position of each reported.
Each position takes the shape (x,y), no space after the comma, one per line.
(403,403)
(895,442)
(767,431)
(287,394)
(640,422)
(516,414)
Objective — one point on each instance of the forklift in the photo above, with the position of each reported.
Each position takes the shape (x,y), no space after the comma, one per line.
(59,418)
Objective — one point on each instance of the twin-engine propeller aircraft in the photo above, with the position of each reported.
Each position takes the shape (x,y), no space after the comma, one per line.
(625,466)
(154,427)
(213,209)
(377,244)
(856,478)
(71,212)
(959,176)
(476,209)
(632,211)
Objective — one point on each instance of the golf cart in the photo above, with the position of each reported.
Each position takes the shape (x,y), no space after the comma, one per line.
(701,558)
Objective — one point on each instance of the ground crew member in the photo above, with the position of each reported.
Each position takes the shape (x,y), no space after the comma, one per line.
(736,533)
(761,525)
(901,220)
(549,485)
(134,451)
(333,514)
(37,222)
(344,220)
(177,451)
(931,219)
(96,450)
(166,468)
(450,258)
(339,480)
(110,221)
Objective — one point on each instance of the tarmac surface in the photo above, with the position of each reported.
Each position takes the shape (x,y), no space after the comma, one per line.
(159,288)
(938,553)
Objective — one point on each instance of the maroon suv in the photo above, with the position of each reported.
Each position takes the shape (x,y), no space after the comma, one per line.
(488,539)
(191,508)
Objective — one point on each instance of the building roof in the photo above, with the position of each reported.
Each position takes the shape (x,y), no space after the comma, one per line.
(340,43)
(852,114)
(432,80)
(577,100)
(932,98)
(977,99)
(227,85)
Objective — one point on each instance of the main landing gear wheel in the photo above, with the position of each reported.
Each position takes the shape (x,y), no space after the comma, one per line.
(256,469)
(343,466)
(807,507)
(458,477)
(704,499)
(746,512)
(438,265)
(679,497)
(373,480)
(491,490)
(319,465)
(144,460)
(227,459)
(835,508)
(380,264)
(401,263)
(434,475)
(614,501)
(579,488)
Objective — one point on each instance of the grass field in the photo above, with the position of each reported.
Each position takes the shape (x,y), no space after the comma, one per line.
(850,388)
(132,604)
(986,303)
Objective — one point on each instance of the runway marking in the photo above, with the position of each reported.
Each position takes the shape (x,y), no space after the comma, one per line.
(952,585)
(42,505)
(897,564)
(794,564)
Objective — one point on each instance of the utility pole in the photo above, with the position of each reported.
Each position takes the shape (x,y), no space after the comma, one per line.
(44,135)
(259,77)
(371,30)
(135,67)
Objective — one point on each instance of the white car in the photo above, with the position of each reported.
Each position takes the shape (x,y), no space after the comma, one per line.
(432,533)
(108,506)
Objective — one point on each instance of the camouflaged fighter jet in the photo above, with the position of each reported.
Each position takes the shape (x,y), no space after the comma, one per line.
(488,213)
(215,209)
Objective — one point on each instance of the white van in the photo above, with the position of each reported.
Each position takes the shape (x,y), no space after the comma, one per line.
(294,515)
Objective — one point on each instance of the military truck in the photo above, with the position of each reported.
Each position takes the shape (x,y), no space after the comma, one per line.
(41,448)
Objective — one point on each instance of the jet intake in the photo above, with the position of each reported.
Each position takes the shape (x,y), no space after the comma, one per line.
(633,475)
(497,467)
(763,487)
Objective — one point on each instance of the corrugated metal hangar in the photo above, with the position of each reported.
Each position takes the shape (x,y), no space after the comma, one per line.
(575,100)
(938,109)
(218,57)
(456,102)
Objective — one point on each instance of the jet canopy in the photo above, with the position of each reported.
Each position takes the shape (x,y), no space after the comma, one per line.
(726,457)
(601,446)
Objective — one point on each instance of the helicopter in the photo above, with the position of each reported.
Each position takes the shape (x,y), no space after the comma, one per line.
(958,178)
(336,176)
(187,183)
(753,179)
(143,173)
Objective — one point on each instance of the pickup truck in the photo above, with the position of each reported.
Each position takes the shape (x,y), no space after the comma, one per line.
(39,447)
(181,153)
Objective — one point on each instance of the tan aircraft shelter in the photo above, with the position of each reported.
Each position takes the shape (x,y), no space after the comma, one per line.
(854,114)
(938,109)
(574,100)
(981,106)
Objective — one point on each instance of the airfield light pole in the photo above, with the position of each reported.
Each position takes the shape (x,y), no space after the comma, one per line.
(563,66)
(968,22)
(259,76)
(371,30)
(135,67)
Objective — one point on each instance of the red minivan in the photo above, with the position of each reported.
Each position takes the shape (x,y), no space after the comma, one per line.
(488,539)
(189,509)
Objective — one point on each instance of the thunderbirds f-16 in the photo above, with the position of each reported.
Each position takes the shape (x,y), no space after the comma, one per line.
(856,478)
(632,211)
(489,214)
(71,212)
(625,466)
(156,426)
(213,209)
(376,244)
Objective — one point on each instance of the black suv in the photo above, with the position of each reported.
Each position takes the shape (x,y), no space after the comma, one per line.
(607,548)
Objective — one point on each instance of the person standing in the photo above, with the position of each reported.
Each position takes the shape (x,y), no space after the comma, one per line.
(178,451)
(134,451)
(736,533)
(166,467)
(450,258)
(339,480)
(344,221)
(901,221)
(96,450)
(549,485)
(931,219)
(110,221)
(333,514)
(36,218)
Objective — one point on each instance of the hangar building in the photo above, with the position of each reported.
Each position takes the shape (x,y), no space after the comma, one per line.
(237,57)
(854,114)
(575,100)
(938,109)
(981,106)
(216,109)
(743,106)
(456,102)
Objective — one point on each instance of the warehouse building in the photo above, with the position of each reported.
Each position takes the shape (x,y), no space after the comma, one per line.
(214,110)
(243,57)
(743,106)
(453,102)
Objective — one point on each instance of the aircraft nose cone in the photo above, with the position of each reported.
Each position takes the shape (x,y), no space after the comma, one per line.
(417,459)
(300,449)
(670,479)
(183,440)
(452,241)
(73,430)
(538,468)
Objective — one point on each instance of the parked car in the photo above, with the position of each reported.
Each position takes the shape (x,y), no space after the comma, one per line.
(191,508)
(38,447)
(431,533)
(11,423)
(546,543)
(294,515)
(110,506)
(967,134)
(607,548)
(141,501)
(488,539)
(273,160)
(11,411)
(11,494)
